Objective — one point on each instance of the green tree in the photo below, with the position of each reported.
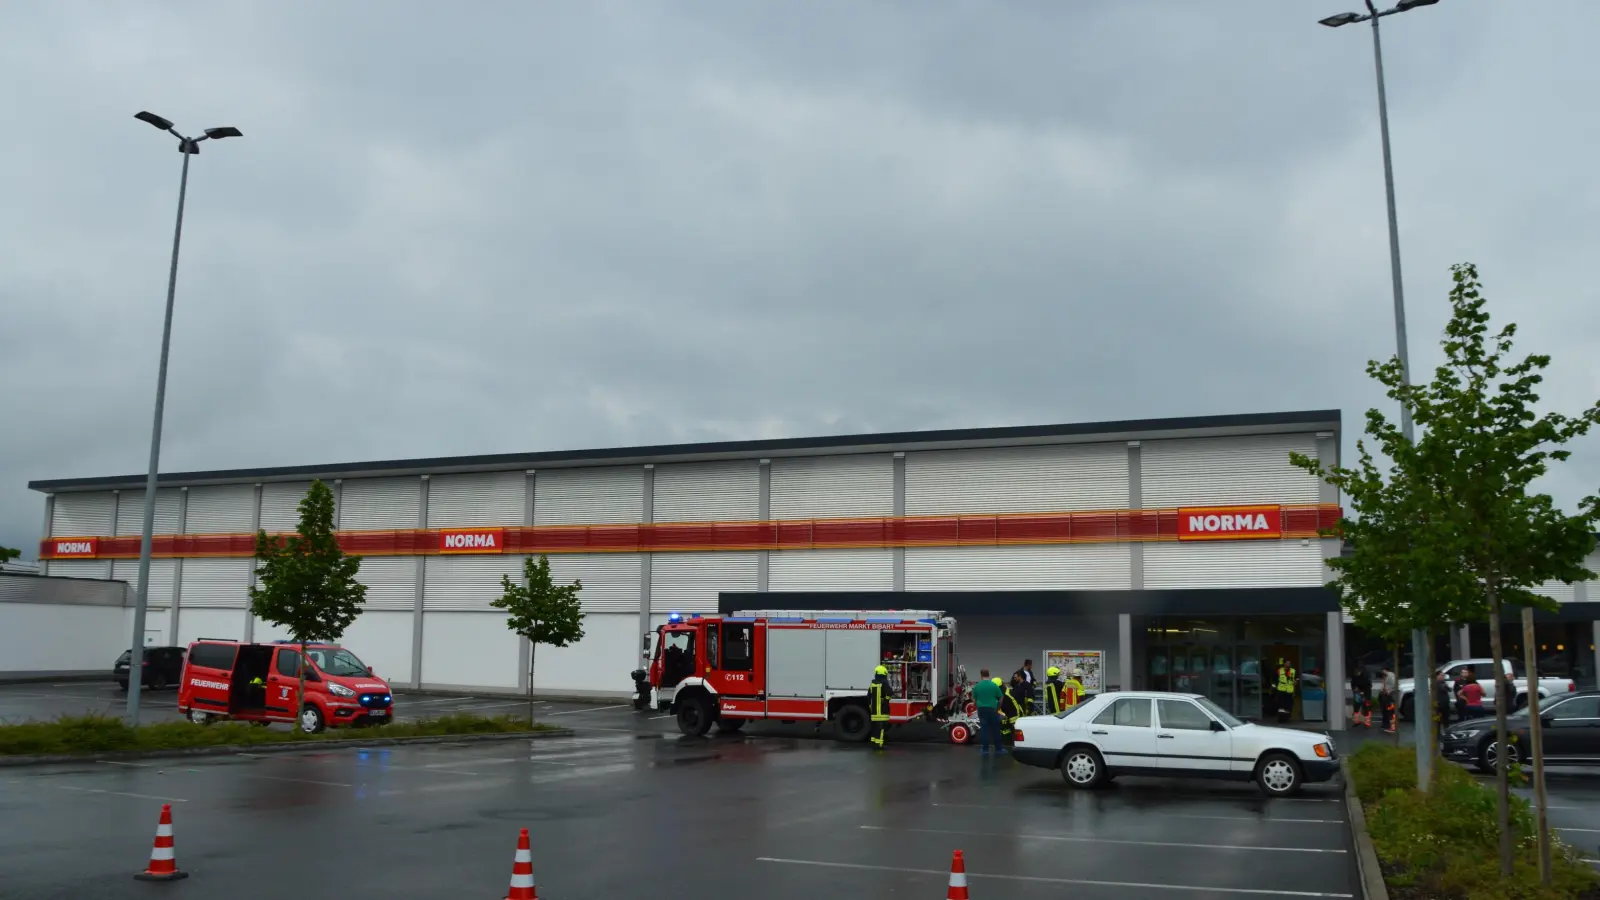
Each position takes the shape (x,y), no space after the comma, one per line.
(1484,446)
(305,583)
(7,554)
(541,611)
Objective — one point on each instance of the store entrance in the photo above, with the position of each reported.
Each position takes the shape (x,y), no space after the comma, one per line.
(1233,661)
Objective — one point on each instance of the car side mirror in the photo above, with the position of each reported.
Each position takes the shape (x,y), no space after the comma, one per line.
(1547,721)
(1218,726)
(372,673)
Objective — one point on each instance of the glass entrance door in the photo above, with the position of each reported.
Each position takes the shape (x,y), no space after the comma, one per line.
(1224,680)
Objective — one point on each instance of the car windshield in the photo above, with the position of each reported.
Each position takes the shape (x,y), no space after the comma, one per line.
(336,661)
(1221,714)
(126,655)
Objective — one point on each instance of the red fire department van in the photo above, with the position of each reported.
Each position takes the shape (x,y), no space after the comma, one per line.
(807,665)
(257,683)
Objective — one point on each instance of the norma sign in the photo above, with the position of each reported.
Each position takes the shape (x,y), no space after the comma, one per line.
(1229,523)
(472,540)
(67,548)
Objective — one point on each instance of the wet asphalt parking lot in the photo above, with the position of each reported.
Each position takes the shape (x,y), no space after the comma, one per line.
(628,807)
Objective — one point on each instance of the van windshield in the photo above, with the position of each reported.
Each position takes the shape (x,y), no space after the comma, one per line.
(336,661)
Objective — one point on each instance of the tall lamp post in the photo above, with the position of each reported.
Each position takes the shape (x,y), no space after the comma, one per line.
(1420,681)
(187,146)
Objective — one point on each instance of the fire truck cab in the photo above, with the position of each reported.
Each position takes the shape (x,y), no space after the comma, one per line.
(803,665)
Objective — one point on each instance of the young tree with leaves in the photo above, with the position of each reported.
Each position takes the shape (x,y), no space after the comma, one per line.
(541,611)
(306,584)
(1484,445)
(7,554)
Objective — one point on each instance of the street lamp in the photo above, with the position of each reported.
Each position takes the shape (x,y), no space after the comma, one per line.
(1419,639)
(188,146)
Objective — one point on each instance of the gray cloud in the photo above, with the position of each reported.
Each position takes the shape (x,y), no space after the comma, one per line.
(507,226)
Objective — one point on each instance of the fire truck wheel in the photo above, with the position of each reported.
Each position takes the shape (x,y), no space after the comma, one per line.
(729,726)
(852,724)
(694,716)
(960,734)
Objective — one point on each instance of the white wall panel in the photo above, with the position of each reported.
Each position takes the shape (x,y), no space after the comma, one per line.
(727,491)
(130,512)
(1211,471)
(86,638)
(478,499)
(1045,567)
(833,487)
(1018,479)
(83,515)
(598,663)
(372,504)
(280,504)
(466,582)
(215,583)
(830,570)
(194,624)
(469,649)
(161,578)
(382,640)
(391,582)
(610,495)
(690,582)
(1227,564)
(80,568)
(610,580)
(221,509)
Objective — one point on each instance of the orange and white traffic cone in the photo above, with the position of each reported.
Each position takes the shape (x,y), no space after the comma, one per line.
(958,879)
(163,862)
(522,872)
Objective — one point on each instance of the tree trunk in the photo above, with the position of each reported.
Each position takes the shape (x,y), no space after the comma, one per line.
(1501,700)
(1422,711)
(1536,743)
(1394,697)
(533,650)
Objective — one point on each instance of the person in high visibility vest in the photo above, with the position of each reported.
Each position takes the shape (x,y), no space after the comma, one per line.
(878,704)
(1284,689)
(1010,709)
(1072,691)
(1052,691)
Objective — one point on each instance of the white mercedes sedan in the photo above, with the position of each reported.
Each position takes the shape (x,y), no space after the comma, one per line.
(1171,736)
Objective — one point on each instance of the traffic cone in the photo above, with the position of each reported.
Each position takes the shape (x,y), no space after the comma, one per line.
(958,879)
(522,872)
(163,863)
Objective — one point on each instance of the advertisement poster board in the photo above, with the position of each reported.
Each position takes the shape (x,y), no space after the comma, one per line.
(1092,662)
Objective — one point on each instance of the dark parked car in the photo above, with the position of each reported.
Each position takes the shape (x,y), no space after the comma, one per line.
(1571,734)
(163,666)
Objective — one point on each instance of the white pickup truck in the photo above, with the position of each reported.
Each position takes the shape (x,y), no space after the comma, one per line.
(1547,687)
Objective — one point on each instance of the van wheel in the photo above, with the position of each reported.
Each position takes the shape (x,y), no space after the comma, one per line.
(158,682)
(694,716)
(1082,767)
(311,721)
(1278,775)
(852,724)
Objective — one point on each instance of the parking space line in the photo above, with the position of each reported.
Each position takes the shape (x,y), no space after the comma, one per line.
(568,712)
(297,780)
(84,790)
(1259,892)
(667,716)
(1583,830)
(118,762)
(1073,839)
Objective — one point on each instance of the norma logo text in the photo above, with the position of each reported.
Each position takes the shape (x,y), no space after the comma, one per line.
(476,540)
(1214,523)
(77,547)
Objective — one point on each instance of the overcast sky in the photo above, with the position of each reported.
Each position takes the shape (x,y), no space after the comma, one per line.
(512,226)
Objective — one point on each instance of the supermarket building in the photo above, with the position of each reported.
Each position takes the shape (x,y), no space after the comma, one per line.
(1186,549)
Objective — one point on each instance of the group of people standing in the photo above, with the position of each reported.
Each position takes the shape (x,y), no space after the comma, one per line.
(1000,704)
(1464,694)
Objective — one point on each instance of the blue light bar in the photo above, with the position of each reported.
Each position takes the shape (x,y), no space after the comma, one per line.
(733,619)
(890,621)
(788,619)
(836,620)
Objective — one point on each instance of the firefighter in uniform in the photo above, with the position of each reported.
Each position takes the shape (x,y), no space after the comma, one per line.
(878,704)
(1009,710)
(1284,689)
(1072,691)
(1052,691)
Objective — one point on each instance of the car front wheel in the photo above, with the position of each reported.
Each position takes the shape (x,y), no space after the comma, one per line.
(1279,775)
(311,721)
(1489,755)
(1083,768)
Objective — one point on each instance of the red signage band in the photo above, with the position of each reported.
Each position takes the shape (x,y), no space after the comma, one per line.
(1096,527)
(1229,523)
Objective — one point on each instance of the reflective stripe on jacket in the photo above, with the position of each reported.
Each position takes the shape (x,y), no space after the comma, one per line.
(878,701)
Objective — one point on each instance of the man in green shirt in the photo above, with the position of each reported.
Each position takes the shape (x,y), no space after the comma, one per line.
(986,696)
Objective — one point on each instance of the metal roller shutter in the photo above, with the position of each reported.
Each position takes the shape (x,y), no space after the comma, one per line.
(480,498)
(1211,471)
(1558,591)
(1018,479)
(391,582)
(80,568)
(466,582)
(130,512)
(378,503)
(1228,564)
(610,580)
(1058,567)
(216,583)
(690,582)
(221,509)
(708,492)
(280,504)
(161,579)
(611,495)
(831,570)
(83,515)
(833,487)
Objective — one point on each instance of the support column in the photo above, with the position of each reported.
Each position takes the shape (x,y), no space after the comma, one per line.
(524,647)
(111,565)
(1328,457)
(421,589)
(1333,673)
(1125,651)
(1135,501)
(764,513)
(49,521)
(1594,641)
(647,516)
(338,503)
(177,569)
(255,528)
(899,553)
(1460,642)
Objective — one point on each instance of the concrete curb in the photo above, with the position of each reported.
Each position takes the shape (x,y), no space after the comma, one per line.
(45,677)
(290,747)
(1371,873)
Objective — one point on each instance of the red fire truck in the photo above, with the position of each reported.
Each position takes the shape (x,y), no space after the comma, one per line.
(808,665)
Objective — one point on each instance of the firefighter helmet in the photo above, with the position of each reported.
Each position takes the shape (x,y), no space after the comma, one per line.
(880,671)
(997,680)
(1053,671)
